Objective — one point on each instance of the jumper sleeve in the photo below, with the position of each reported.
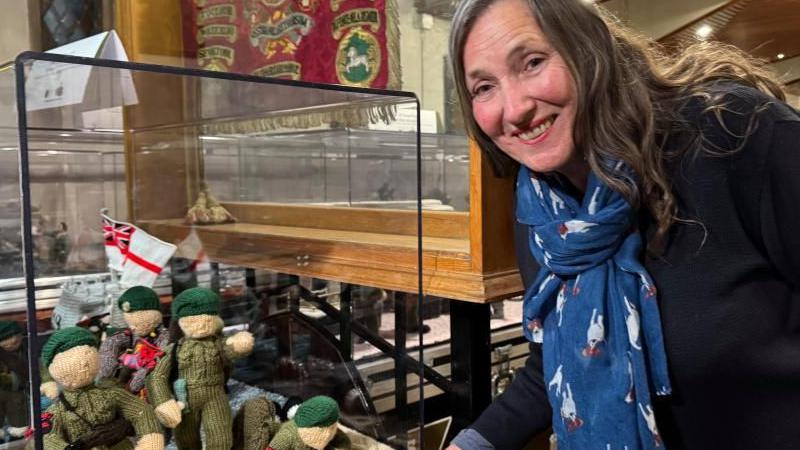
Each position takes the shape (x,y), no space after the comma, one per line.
(137,412)
(780,201)
(469,439)
(519,413)
(158,383)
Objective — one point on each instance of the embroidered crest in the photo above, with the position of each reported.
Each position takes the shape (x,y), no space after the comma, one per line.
(358,58)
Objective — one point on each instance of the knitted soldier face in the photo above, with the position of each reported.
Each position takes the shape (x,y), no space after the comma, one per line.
(197,310)
(141,308)
(317,437)
(76,367)
(143,322)
(200,326)
(11,344)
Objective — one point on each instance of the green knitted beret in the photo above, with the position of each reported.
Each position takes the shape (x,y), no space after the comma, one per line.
(319,411)
(65,339)
(8,329)
(139,298)
(195,301)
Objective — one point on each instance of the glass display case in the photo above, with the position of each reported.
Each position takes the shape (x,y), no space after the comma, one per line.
(324,263)
(282,198)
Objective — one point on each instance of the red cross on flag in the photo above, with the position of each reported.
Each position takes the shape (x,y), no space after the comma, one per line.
(117,236)
(146,258)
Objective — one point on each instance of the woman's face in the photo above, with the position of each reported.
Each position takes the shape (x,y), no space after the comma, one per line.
(523,96)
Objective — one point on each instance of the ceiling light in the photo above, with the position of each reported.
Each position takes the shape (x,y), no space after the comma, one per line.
(704,31)
(781,56)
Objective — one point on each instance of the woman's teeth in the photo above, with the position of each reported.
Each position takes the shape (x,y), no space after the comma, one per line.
(536,132)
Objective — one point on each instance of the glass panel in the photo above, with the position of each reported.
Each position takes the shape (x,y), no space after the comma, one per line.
(14,343)
(294,206)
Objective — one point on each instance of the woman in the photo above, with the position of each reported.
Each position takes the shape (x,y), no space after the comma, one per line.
(659,198)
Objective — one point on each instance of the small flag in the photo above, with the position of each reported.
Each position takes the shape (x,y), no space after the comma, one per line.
(145,259)
(117,237)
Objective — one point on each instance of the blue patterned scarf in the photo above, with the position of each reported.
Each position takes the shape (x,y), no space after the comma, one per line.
(593,306)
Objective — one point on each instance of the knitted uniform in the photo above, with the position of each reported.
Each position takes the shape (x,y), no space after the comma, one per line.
(13,387)
(201,363)
(119,343)
(255,424)
(97,406)
(288,439)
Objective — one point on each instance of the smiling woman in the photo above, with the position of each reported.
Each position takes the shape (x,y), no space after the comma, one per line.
(656,199)
(523,96)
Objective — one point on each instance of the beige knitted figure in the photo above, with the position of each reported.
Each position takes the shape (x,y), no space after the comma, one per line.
(129,355)
(198,380)
(207,210)
(84,409)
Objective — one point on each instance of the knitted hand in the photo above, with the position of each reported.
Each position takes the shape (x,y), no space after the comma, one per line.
(152,441)
(49,390)
(169,413)
(240,343)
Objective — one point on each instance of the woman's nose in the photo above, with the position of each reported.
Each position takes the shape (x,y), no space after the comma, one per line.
(519,107)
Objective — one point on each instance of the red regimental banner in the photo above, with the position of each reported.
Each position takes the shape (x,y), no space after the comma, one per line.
(351,42)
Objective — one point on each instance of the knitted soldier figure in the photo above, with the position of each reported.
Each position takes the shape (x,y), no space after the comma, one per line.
(193,370)
(314,426)
(84,411)
(255,424)
(13,380)
(129,355)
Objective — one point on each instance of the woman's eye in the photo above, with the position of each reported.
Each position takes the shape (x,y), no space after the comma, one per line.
(533,62)
(481,90)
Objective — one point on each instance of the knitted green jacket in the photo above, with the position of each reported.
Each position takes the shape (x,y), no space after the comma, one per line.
(288,439)
(98,406)
(201,362)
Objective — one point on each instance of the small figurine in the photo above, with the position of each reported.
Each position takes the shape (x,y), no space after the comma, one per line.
(86,415)
(207,210)
(314,426)
(188,384)
(129,355)
(13,380)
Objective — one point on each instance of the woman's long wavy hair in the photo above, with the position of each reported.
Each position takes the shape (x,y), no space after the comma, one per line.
(629,93)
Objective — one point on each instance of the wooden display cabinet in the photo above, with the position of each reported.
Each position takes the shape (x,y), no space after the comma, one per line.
(466,255)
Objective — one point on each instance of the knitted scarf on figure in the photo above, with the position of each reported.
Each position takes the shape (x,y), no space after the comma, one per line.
(587,306)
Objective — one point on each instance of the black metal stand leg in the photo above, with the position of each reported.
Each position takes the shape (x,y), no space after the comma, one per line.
(400,366)
(345,329)
(250,279)
(470,361)
(215,277)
